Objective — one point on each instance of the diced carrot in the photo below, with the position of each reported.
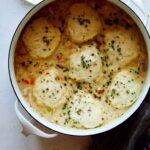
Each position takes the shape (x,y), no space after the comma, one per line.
(59,57)
(26,81)
(100,91)
(32,81)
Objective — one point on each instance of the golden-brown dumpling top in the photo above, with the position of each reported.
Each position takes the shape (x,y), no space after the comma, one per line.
(124,89)
(49,88)
(83,23)
(41,38)
(86,64)
(86,110)
(121,47)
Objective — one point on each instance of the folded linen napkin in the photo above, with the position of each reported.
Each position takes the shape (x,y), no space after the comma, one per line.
(133,134)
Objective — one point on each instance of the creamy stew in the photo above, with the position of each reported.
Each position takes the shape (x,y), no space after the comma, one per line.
(81,64)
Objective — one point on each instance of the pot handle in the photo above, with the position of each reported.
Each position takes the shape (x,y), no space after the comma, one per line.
(142,8)
(28,128)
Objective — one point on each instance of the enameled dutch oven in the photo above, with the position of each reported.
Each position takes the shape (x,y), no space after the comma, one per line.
(32,129)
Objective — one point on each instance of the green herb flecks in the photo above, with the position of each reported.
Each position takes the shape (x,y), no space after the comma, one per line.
(84,62)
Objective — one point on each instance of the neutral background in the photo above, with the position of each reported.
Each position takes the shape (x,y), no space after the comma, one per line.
(11,13)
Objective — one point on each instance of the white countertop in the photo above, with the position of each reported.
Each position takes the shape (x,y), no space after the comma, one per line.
(11,13)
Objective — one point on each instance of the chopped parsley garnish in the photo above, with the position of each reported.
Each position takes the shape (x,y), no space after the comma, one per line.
(46,40)
(79,111)
(84,62)
(79,86)
(83,21)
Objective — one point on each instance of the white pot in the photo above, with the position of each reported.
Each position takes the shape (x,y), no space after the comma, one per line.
(30,128)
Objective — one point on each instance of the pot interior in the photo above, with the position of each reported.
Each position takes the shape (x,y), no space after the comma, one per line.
(66,130)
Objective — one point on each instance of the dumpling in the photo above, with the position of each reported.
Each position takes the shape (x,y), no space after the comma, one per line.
(124,89)
(86,110)
(121,47)
(50,88)
(41,38)
(85,64)
(83,23)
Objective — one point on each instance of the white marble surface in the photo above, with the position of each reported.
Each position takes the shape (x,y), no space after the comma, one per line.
(11,13)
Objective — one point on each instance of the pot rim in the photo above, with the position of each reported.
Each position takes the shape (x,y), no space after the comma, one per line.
(66,130)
